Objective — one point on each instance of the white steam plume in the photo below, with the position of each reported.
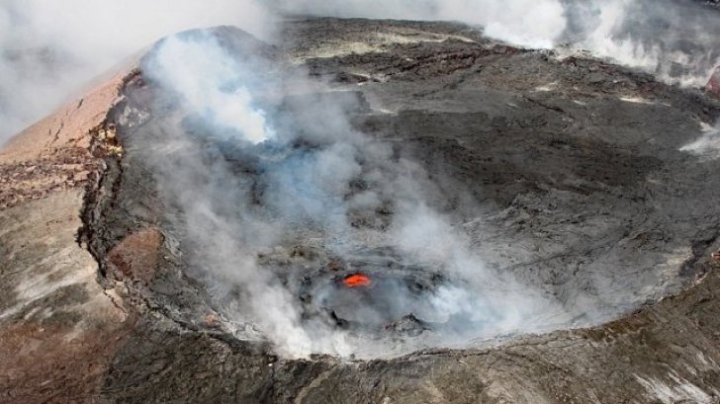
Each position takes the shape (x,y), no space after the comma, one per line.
(200,76)
(529,23)
(678,41)
(304,172)
(707,145)
(50,49)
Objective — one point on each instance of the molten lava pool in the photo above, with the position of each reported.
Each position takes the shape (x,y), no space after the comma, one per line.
(374,291)
(357,280)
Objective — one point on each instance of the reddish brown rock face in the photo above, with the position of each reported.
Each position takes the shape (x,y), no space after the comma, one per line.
(59,329)
(714,84)
(135,258)
(56,153)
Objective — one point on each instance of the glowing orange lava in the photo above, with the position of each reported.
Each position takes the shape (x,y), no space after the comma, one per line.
(357,279)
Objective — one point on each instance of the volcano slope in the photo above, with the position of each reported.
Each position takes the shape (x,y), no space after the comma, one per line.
(582,186)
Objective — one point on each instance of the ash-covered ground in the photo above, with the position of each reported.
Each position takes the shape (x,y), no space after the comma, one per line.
(320,221)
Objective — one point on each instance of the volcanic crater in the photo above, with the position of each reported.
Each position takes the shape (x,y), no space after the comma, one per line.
(457,193)
(595,215)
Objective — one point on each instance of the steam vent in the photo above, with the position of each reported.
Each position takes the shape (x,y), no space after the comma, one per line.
(365,211)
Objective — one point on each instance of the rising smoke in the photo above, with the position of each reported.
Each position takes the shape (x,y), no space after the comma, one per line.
(675,40)
(534,24)
(244,191)
(231,103)
(50,50)
(707,145)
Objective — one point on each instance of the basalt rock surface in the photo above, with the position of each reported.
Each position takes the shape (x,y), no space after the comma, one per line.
(590,182)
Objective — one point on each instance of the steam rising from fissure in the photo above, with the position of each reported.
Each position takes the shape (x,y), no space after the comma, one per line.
(279,200)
